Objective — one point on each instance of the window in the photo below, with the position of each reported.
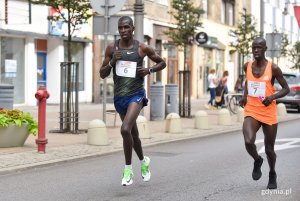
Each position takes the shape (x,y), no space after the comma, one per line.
(77,54)
(227,12)
(204,6)
(12,70)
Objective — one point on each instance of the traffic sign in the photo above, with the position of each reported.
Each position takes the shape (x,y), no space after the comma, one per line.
(114,6)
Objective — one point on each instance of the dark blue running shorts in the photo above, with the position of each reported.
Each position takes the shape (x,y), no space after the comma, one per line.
(122,102)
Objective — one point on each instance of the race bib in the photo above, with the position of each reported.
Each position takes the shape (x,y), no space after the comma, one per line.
(256,89)
(126,68)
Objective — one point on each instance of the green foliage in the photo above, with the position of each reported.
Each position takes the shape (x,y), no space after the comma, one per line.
(295,56)
(78,10)
(187,20)
(245,33)
(284,44)
(17,117)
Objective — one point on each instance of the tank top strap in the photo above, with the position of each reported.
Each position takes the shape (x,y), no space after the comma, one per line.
(249,70)
(269,69)
(136,44)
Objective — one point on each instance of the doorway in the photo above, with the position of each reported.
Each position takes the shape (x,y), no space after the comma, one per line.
(41,69)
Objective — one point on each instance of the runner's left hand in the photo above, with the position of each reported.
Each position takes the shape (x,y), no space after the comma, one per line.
(141,71)
(267,101)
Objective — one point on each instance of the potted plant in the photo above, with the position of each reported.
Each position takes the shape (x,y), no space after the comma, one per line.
(15,127)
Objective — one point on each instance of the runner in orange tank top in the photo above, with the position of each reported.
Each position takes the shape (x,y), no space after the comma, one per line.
(259,102)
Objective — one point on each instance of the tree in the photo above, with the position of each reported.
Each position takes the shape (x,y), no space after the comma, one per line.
(295,56)
(245,34)
(77,14)
(187,20)
(283,46)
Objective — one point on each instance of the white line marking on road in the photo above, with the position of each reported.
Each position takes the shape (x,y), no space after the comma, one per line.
(290,143)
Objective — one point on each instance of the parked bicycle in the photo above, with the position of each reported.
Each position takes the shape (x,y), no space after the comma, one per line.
(232,102)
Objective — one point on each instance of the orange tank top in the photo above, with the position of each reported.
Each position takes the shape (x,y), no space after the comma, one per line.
(257,87)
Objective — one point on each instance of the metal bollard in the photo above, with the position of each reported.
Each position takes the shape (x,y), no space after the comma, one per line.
(201,120)
(97,134)
(281,109)
(173,123)
(143,128)
(224,117)
(42,95)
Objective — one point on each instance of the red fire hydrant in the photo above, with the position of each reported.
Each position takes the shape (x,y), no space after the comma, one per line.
(42,95)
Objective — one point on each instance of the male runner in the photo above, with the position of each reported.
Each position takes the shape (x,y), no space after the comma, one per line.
(260,107)
(125,58)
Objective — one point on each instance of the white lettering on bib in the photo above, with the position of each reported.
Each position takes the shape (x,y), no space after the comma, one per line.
(256,89)
(126,68)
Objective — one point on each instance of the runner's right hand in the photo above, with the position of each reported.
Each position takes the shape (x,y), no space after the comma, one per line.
(117,55)
(243,101)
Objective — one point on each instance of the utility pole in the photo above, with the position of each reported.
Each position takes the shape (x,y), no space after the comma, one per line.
(139,20)
(139,25)
(262,17)
(106,21)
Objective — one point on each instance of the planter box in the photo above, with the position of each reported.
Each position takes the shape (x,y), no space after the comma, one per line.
(13,136)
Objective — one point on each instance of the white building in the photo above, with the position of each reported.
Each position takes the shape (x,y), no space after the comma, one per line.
(31,52)
(278,15)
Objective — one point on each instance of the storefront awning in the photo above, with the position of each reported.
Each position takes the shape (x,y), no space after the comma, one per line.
(213,43)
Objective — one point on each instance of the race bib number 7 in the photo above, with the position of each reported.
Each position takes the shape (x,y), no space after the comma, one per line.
(126,68)
(256,89)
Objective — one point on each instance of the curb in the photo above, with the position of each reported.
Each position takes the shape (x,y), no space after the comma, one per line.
(95,151)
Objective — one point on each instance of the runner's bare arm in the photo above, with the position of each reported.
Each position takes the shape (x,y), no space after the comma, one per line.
(243,100)
(146,50)
(106,65)
(277,74)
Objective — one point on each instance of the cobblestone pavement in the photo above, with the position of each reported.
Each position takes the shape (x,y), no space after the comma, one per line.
(66,147)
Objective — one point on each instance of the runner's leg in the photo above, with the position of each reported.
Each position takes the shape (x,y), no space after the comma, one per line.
(270,133)
(129,122)
(250,128)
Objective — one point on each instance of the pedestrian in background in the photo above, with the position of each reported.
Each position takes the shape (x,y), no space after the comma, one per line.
(212,84)
(224,80)
(125,58)
(238,87)
(259,101)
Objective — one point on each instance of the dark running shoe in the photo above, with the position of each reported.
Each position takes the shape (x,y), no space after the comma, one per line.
(256,174)
(272,180)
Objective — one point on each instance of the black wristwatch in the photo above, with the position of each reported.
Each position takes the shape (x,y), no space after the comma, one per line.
(151,70)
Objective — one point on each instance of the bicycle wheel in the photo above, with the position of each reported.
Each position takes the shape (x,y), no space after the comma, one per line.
(233,105)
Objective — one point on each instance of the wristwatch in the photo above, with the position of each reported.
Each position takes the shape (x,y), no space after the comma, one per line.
(151,70)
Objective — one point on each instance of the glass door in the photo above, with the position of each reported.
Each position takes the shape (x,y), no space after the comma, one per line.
(41,69)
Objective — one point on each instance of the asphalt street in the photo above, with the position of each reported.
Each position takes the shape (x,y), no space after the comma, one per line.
(209,168)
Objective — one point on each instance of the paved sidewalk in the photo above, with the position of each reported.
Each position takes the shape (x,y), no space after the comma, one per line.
(66,147)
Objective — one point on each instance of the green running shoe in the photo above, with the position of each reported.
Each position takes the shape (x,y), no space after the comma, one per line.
(127,177)
(146,174)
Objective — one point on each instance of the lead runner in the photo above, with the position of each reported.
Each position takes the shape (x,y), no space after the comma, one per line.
(125,58)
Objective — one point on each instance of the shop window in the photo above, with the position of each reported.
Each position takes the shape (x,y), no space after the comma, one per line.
(12,68)
(172,64)
(77,55)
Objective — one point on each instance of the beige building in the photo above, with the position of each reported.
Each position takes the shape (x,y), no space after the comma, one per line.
(221,16)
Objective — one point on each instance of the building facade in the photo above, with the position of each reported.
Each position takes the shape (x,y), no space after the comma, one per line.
(221,16)
(278,16)
(31,49)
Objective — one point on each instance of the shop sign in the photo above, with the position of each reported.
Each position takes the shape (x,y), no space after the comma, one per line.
(201,37)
